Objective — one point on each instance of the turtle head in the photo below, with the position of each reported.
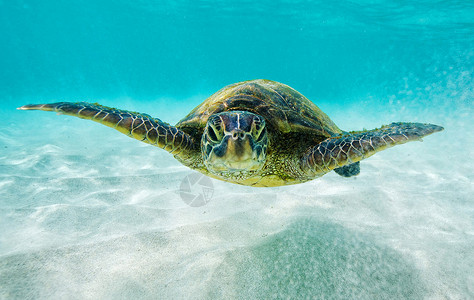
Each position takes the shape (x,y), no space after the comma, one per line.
(234,144)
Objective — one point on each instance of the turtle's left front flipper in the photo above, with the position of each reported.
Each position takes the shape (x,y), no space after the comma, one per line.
(139,126)
(344,152)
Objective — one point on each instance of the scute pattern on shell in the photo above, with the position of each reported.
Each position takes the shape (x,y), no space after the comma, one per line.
(283,108)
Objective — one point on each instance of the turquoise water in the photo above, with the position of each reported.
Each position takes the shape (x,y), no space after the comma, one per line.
(86,212)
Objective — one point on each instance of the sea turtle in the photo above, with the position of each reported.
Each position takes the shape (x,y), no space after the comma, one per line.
(257,133)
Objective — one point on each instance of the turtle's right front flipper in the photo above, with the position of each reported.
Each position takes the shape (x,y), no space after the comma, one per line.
(139,126)
(342,153)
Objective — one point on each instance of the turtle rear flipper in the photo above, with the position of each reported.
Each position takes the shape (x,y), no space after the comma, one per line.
(348,170)
(139,126)
(340,152)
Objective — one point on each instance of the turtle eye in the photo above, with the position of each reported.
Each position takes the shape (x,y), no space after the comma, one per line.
(211,134)
(260,136)
(214,132)
(214,129)
(258,130)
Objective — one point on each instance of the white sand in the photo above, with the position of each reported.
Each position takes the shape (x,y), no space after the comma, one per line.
(86,212)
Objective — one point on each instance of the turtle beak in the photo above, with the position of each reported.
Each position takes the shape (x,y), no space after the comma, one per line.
(235,152)
(239,145)
(239,150)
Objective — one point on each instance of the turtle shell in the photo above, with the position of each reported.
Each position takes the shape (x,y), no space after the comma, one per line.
(284,109)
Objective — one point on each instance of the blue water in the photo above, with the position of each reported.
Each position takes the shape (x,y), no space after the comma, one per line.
(87,213)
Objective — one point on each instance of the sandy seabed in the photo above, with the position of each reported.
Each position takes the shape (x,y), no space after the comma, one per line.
(88,213)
